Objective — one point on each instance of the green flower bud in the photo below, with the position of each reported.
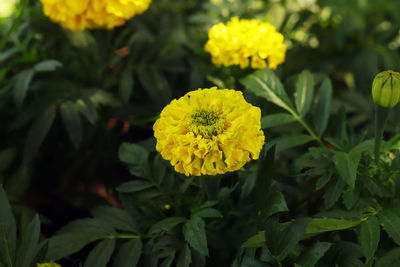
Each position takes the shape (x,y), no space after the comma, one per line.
(386,89)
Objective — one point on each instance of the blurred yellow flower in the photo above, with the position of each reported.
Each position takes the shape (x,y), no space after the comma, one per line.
(241,40)
(7,7)
(48,264)
(93,14)
(209,132)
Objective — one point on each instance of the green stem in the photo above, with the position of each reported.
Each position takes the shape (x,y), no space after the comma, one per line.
(381,116)
(307,127)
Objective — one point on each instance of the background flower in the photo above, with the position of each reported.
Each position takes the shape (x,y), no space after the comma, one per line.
(91,14)
(209,131)
(239,40)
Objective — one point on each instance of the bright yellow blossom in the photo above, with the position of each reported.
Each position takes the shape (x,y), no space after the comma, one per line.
(7,7)
(93,14)
(241,40)
(209,132)
(48,264)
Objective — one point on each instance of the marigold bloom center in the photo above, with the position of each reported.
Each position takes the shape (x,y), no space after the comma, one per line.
(206,123)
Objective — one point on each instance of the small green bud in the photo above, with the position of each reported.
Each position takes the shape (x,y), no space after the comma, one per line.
(386,89)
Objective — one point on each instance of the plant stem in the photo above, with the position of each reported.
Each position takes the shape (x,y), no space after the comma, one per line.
(381,116)
(307,127)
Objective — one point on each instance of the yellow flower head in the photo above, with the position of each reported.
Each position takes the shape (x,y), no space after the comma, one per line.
(48,264)
(241,40)
(93,14)
(209,131)
(7,7)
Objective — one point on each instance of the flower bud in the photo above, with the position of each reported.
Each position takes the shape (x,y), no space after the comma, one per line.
(386,89)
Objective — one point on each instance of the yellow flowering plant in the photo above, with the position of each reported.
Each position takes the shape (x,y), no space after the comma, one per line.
(243,40)
(93,14)
(209,132)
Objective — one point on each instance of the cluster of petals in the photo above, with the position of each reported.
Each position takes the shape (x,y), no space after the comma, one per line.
(232,137)
(240,41)
(93,14)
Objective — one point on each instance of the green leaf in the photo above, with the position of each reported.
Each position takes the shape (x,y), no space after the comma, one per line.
(323,107)
(21,86)
(195,234)
(6,158)
(72,122)
(155,83)
(314,254)
(126,85)
(264,83)
(37,133)
(101,254)
(29,244)
(369,236)
(347,164)
(304,92)
(390,222)
(322,225)
(47,65)
(185,257)
(134,186)
(75,235)
(136,156)
(264,177)
(289,141)
(350,197)
(208,213)
(8,231)
(166,224)
(19,182)
(87,109)
(277,119)
(315,226)
(389,258)
(276,203)
(292,237)
(117,218)
(129,254)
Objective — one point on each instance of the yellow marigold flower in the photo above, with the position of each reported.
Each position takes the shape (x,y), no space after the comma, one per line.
(209,131)
(240,40)
(7,7)
(48,264)
(92,14)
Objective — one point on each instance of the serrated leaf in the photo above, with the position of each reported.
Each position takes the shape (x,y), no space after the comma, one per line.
(21,86)
(134,186)
(369,236)
(101,254)
(323,107)
(136,156)
(292,237)
(195,234)
(129,254)
(277,119)
(117,218)
(289,141)
(185,257)
(389,258)
(8,231)
(208,213)
(29,244)
(37,133)
(304,92)
(314,254)
(47,65)
(315,226)
(166,224)
(350,197)
(264,83)
(126,85)
(72,122)
(276,203)
(390,222)
(347,164)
